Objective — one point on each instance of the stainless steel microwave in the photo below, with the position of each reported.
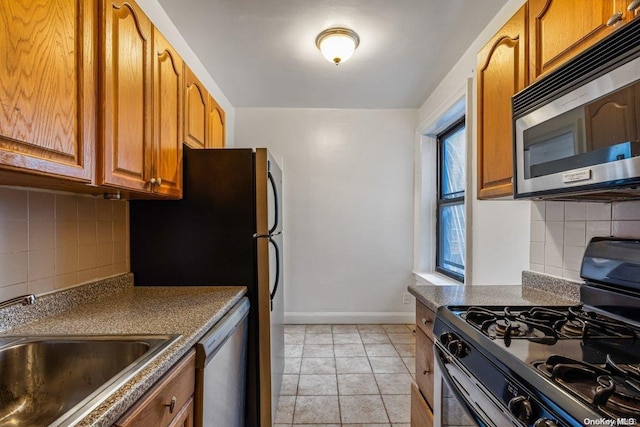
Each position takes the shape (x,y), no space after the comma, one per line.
(576,131)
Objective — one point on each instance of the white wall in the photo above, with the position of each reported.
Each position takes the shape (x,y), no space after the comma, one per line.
(348,198)
(500,228)
(159,17)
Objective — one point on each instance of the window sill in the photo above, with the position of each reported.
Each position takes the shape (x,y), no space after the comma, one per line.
(435,279)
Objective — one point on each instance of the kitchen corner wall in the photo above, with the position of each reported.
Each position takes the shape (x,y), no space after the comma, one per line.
(50,241)
(348,206)
(560,232)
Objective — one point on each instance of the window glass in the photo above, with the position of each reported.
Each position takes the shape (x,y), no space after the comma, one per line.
(451,247)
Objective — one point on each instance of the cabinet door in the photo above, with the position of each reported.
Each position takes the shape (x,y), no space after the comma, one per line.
(167,122)
(560,29)
(126,92)
(215,124)
(501,73)
(185,416)
(421,414)
(47,86)
(169,402)
(196,98)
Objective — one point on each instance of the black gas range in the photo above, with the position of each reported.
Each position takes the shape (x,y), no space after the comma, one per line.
(552,366)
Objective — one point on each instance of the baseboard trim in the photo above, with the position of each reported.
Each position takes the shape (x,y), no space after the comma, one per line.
(339,317)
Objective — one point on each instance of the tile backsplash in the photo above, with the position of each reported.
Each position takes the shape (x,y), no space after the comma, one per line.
(560,232)
(50,241)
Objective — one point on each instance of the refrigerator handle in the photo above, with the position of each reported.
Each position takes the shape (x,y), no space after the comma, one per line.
(277,281)
(276,219)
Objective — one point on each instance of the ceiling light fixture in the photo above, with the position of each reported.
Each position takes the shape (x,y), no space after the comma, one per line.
(337,44)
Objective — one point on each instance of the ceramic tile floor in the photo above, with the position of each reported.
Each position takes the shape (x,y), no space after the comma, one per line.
(347,375)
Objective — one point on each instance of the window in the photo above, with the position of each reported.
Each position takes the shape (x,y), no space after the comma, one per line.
(450,217)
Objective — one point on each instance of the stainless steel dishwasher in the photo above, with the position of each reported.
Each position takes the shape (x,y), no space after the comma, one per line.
(221,359)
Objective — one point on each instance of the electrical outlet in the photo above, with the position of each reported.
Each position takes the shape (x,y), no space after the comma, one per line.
(406,298)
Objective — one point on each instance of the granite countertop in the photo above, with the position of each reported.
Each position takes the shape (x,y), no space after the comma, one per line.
(532,292)
(188,311)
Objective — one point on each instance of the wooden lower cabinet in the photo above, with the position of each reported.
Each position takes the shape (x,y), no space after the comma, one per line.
(422,400)
(421,414)
(169,403)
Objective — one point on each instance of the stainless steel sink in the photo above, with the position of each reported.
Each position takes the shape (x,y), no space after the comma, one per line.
(57,380)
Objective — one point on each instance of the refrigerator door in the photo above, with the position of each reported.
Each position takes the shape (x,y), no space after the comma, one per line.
(270,281)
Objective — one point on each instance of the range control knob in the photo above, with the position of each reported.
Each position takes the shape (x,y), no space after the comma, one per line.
(544,422)
(521,408)
(456,347)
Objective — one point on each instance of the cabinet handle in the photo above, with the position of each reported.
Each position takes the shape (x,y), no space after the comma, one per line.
(614,18)
(425,320)
(159,181)
(633,5)
(152,181)
(172,404)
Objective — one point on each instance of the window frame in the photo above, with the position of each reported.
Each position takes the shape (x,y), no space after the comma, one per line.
(453,201)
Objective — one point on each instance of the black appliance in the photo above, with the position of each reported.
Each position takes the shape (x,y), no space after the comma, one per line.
(227,230)
(552,366)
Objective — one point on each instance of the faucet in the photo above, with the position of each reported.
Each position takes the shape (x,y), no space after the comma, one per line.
(24,300)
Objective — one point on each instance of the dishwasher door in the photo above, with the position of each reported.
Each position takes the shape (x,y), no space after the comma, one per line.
(221,358)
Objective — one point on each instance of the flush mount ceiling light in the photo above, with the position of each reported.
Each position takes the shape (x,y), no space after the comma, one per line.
(337,44)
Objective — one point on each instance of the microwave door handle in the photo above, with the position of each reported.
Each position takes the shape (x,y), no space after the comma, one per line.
(277,279)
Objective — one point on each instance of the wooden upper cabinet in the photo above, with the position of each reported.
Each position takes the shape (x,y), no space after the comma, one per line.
(142,91)
(167,120)
(215,124)
(501,72)
(196,98)
(48,87)
(126,52)
(560,29)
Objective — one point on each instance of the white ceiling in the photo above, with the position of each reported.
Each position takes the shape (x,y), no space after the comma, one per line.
(262,53)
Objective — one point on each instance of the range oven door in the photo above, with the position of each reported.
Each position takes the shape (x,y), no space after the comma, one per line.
(474,398)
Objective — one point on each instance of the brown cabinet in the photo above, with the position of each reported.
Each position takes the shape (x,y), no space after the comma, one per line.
(196,100)
(48,87)
(169,402)
(167,118)
(204,118)
(215,124)
(422,401)
(560,29)
(501,72)
(126,52)
(141,127)
(421,414)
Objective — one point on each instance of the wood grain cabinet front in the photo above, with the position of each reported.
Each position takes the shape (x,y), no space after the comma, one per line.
(560,29)
(422,399)
(502,71)
(141,116)
(196,100)
(48,87)
(215,124)
(169,403)
(421,413)
(203,117)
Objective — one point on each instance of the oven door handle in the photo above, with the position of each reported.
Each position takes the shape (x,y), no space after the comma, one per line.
(443,357)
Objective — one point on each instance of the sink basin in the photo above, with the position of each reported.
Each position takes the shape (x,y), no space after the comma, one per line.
(56,380)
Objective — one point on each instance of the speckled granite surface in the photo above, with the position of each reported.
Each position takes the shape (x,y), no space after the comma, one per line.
(554,285)
(188,311)
(435,296)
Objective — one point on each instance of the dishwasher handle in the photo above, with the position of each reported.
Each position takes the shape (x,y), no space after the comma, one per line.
(215,338)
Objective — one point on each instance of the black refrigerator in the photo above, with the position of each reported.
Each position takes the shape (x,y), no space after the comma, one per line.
(227,230)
